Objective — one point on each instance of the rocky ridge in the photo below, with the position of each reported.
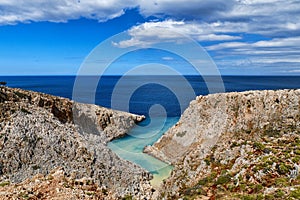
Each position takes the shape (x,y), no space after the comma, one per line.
(38,134)
(234,146)
(225,146)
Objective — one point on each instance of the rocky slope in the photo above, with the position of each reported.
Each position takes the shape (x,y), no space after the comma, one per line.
(38,134)
(55,185)
(234,146)
(225,146)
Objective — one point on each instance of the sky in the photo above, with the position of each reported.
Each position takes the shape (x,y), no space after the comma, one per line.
(243,37)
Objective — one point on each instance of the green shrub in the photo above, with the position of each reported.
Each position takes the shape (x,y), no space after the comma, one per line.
(20,95)
(4,184)
(127,197)
(181,134)
(281,182)
(223,179)
(204,181)
(296,193)
(259,146)
(249,197)
(282,169)
(25,111)
(279,194)
(35,167)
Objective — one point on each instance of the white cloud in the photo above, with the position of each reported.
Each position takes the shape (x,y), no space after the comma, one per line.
(293,71)
(213,20)
(278,53)
(267,17)
(167,58)
(14,11)
(279,42)
(227,45)
(274,45)
(171,31)
(183,9)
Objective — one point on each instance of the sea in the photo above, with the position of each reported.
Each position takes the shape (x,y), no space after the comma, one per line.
(162,99)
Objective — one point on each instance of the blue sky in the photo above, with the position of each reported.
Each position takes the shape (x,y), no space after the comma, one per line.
(243,37)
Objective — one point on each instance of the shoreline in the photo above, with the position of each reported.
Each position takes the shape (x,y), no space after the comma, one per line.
(131,148)
(218,137)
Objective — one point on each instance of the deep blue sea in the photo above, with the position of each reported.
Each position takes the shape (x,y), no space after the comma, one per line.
(137,94)
(149,90)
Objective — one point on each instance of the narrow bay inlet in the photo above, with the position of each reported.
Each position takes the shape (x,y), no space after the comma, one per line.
(131,147)
(228,145)
(150,100)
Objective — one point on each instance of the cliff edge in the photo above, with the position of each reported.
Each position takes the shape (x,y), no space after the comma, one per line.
(225,146)
(234,146)
(40,133)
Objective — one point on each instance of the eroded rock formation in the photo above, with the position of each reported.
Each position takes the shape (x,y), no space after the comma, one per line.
(217,136)
(225,146)
(38,134)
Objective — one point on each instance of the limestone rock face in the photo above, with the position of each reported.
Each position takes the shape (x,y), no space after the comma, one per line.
(40,132)
(107,123)
(213,123)
(224,146)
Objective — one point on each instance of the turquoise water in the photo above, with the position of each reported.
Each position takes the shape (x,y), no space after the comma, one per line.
(131,146)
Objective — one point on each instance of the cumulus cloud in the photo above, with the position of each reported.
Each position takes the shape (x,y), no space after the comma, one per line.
(267,17)
(278,18)
(276,53)
(150,33)
(274,46)
(14,11)
(221,21)
(192,9)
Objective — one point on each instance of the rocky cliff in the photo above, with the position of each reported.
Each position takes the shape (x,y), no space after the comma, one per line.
(234,146)
(40,132)
(225,146)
